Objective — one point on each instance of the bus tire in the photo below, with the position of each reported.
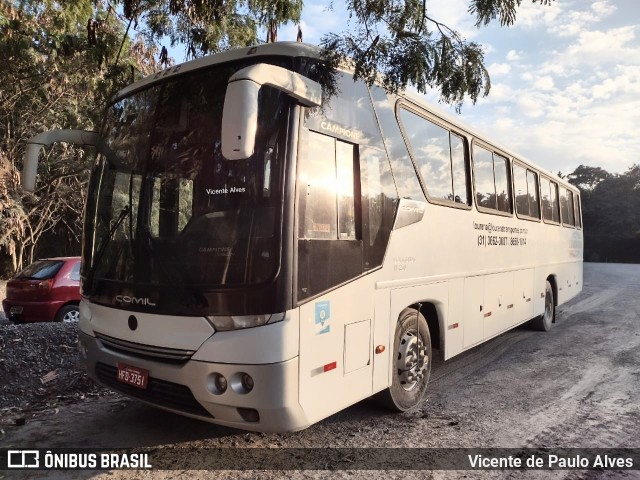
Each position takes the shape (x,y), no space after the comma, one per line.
(543,322)
(411,357)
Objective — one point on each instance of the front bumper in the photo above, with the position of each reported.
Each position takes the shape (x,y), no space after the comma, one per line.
(186,388)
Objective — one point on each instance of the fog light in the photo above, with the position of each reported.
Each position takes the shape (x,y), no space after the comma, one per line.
(247,382)
(241,383)
(221,383)
(216,383)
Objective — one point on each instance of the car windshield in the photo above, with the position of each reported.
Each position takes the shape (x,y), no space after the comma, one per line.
(41,270)
(167,207)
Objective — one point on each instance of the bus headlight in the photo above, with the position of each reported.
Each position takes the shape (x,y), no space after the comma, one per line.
(236,322)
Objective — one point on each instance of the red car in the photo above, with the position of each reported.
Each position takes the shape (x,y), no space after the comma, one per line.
(44,291)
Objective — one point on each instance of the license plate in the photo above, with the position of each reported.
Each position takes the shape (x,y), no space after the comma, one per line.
(135,376)
(15,310)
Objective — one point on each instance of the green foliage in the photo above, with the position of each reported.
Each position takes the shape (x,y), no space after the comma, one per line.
(610,212)
(587,178)
(56,75)
(394,42)
(505,10)
(207,27)
(62,60)
(401,42)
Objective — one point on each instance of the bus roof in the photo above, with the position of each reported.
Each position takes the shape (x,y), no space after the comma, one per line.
(297,49)
(285,49)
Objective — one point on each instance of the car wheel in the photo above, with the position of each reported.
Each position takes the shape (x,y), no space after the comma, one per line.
(68,314)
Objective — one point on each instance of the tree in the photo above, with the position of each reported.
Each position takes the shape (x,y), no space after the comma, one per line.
(610,212)
(397,38)
(58,69)
(587,178)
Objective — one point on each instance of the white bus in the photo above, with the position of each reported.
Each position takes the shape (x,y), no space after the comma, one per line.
(261,258)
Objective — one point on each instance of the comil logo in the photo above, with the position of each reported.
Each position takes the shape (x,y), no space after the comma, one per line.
(135,300)
(23,459)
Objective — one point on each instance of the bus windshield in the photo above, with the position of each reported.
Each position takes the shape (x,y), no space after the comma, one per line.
(166,207)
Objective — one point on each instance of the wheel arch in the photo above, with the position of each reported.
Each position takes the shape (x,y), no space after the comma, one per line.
(431,311)
(554,286)
(70,302)
(75,303)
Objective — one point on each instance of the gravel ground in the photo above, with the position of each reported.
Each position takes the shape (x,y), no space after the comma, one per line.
(39,369)
(574,387)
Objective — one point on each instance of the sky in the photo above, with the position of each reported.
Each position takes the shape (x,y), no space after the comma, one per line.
(565,78)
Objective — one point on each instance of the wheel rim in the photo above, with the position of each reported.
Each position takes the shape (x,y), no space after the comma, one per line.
(548,308)
(71,317)
(412,360)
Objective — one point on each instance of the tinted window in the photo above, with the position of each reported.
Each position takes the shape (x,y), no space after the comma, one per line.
(378,204)
(404,174)
(330,246)
(483,177)
(549,191)
(526,191)
(347,115)
(501,169)
(319,212)
(520,185)
(491,180)
(566,207)
(439,156)
(532,184)
(75,272)
(459,169)
(41,270)
(578,216)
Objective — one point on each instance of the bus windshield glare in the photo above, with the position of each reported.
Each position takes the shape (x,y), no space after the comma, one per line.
(167,207)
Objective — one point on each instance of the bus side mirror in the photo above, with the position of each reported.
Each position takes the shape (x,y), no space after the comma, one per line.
(35,144)
(240,112)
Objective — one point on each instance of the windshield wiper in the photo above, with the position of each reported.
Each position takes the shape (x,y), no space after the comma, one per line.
(126,211)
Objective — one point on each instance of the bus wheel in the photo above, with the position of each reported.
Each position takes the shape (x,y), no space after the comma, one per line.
(411,363)
(544,321)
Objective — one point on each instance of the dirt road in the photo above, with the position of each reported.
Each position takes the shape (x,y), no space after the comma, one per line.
(576,386)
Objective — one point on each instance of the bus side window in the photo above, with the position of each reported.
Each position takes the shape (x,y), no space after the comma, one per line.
(491,174)
(566,207)
(378,204)
(501,169)
(483,176)
(578,213)
(549,191)
(439,156)
(525,182)
(532,184)
(520,185)
(404,174)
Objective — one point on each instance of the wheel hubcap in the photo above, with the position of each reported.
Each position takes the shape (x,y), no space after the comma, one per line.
(71,317)
(548,308)
(412,360)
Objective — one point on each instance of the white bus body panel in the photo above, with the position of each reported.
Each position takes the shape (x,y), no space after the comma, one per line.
(336,352)
(270,343)
(167,331)
(267,353)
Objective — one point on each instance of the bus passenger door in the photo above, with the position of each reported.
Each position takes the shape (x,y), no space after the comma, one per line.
(336,323)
